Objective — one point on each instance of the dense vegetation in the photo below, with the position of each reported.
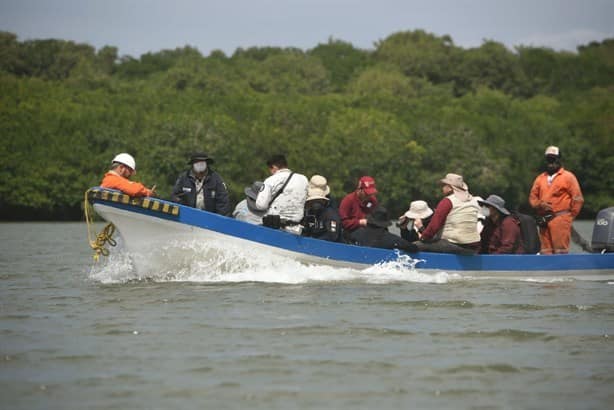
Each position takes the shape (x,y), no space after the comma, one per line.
(406,112)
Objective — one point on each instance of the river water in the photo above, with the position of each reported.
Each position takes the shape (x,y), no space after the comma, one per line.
(79,335)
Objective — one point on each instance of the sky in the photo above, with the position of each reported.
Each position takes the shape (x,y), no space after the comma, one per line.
(136,27)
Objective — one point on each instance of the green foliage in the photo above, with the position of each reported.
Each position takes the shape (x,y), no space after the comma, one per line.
(492,66)
(419,54)
(407,113)
(342,60)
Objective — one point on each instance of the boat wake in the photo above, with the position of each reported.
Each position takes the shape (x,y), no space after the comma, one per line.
(195,261)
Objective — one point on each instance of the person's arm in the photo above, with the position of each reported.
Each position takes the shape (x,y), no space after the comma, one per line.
(346,212)
(577,200)
(222,202)
(264,198)
(535,199)
(131,188)
(437,220)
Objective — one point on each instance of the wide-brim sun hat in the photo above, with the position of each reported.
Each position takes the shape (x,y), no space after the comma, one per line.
(418,210)
(496,202)
(455,181)
(318,188)
(200,156)
(379,217)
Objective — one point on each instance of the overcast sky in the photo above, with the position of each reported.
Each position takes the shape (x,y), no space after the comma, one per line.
(139,26)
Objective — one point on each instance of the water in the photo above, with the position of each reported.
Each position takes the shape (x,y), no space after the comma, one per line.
(281,336)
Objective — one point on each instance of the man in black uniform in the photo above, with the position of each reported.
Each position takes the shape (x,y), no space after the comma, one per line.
(201,187)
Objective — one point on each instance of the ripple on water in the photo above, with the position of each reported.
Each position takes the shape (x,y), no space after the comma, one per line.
(463,304)
(509,334)
(495,367)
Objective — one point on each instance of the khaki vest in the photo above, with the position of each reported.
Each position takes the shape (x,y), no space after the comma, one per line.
(461,223)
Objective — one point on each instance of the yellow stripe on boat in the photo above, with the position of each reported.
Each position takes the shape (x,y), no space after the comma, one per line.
(152,204)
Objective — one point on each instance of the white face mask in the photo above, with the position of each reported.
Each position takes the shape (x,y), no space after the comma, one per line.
(199,167)
(485,211)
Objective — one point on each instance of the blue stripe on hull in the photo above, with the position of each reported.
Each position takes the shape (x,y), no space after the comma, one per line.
(370,256)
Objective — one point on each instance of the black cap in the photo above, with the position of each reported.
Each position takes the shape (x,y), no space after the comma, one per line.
(200,156)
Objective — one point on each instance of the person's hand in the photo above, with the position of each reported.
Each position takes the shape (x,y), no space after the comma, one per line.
(418,223)
(152,191)
(545,206)
(362,222)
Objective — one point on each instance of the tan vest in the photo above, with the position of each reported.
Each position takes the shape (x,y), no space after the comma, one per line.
(461,222)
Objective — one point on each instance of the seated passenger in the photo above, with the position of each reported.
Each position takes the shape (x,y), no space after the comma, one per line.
(501,233)
(413,222)
(123,167)
(201,187)
(356,205)
(246,210)
(283,196)
(321,220)
(375,234)
(456,218)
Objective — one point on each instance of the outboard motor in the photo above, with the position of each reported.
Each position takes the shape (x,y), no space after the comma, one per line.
(603,231)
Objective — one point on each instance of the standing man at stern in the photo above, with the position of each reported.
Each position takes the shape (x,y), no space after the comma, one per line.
(557,199)
(201,187)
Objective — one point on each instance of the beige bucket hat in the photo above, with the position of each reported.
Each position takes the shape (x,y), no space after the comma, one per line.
(455,181)
(418,210)
(318,188)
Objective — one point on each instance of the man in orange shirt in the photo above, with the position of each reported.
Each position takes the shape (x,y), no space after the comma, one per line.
(556,196)
(123,167)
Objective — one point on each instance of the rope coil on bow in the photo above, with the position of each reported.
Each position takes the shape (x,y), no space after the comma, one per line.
(105,236)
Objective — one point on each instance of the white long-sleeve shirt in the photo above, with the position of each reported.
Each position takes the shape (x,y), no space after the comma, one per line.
(290,204)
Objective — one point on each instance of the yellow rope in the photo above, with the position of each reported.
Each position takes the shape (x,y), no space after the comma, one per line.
(105,236)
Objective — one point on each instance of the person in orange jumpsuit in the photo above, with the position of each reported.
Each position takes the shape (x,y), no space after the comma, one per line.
(557,197)
(123,167)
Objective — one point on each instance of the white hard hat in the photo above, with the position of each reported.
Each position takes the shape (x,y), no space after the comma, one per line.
(125,159)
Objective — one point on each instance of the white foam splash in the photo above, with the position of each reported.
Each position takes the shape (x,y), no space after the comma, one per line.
(404,269)
(197,261)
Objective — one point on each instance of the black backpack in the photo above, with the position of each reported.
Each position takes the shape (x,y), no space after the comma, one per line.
(528,232)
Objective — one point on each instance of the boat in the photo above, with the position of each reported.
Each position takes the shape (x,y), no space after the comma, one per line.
(146,224)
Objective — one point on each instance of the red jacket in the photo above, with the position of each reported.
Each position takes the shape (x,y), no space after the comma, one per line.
(114,181)
(563,194)
(438,219)
(352,210)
